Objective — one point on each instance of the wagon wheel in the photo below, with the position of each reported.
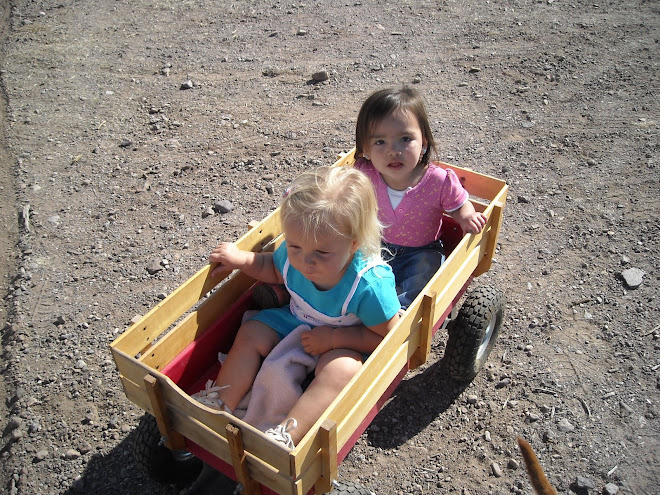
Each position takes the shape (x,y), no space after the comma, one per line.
(348,488)
(157,461)
(473,333)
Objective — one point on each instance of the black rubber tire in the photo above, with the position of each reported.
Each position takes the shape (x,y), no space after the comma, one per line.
(157,461)
(349,488)
(473,333)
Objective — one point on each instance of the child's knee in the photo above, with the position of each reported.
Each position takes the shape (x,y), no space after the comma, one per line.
(339,370)
(257,335)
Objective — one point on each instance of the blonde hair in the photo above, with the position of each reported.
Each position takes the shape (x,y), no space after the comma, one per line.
(336,199)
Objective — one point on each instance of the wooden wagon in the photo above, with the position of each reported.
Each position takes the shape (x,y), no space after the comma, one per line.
(172,351)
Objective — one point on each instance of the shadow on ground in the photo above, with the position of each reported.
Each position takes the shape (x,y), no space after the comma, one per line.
(416,403)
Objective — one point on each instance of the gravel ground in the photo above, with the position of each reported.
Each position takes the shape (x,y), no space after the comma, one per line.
(127,124)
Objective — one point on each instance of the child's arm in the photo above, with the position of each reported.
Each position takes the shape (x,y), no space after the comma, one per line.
(470,220)
(259,266)
(359,338)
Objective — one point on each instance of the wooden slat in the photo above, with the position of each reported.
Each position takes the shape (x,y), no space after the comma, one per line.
(239,461)
(479,185)
(182,406)
(328,439)
(173,439)
(138,335)
(131,369)
(136,394)
(495,221)
(420,356)
(196,323)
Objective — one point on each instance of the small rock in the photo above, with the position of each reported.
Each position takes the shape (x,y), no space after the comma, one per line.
(41,455)
(565,426)
(321,76)
(523,199)
(533,417)
(610,489)
(14,423)
(154,267)
(633,277)
(625,409)
(503,383)
(187,85)
(496,469)
(85,447)
(581,484)
(513,464)
(223,206)
(72,454)
(549,436)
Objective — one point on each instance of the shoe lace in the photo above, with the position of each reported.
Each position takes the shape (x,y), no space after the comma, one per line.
(209,396)
(281,432)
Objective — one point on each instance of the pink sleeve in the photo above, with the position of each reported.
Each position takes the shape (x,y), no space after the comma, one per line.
(453,195)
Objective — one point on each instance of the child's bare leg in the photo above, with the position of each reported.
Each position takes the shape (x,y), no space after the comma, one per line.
(333,371)
(253,342)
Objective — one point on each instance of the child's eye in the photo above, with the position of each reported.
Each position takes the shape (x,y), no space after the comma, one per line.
(406,139)
(293,246)
(378,142)
(322,253)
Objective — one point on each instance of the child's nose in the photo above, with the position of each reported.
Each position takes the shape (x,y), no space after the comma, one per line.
(394,150)
(308,259)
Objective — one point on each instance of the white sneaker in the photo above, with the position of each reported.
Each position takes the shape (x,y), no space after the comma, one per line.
(281,433)
(209,397)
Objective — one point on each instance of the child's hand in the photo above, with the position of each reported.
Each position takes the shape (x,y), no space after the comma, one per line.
(470,220)
(228,257)
(473,223)
(317,341)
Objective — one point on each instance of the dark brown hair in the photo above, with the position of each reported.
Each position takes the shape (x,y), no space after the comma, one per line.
(382,103)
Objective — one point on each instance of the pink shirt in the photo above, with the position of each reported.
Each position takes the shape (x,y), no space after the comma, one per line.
(418,218)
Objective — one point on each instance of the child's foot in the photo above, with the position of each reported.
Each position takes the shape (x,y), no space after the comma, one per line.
(281,433)
(270,295)
(209,397)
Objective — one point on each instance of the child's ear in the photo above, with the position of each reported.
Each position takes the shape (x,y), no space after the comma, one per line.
(355,246)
